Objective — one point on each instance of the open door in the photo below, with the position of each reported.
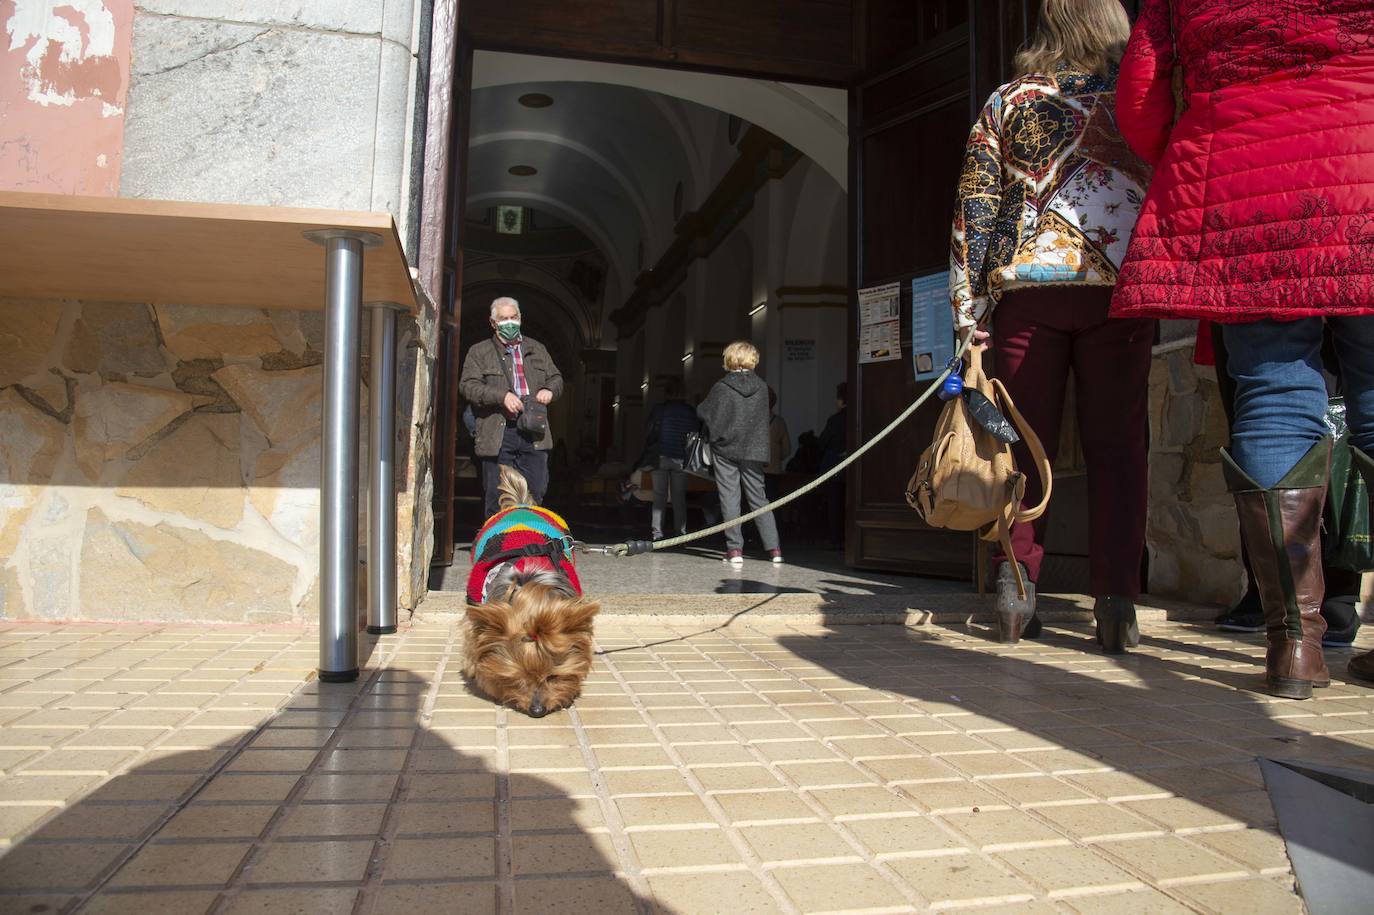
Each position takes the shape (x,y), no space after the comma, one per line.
(928,76)
(441,247)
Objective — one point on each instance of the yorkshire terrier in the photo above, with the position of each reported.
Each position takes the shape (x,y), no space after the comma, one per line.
(529,629)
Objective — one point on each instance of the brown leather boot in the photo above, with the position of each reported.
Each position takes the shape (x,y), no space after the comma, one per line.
(1282,532)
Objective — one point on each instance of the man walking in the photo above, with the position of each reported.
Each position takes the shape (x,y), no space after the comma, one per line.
(508,379)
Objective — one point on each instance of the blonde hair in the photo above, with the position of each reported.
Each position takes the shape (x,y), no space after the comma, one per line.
(741,355)
(1086,35)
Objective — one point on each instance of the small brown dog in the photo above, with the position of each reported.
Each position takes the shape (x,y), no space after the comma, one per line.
(529,629)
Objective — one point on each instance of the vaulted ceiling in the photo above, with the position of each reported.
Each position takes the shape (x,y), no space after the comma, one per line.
(614,142)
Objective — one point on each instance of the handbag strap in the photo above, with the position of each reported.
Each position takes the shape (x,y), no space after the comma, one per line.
(1037,450)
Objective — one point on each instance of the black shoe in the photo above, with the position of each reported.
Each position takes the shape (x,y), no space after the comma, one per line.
(1342,620)
(1117,629)
(1015,614)
(1246,616)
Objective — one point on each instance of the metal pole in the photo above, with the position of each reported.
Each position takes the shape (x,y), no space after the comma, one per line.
(339,453)
(381,451)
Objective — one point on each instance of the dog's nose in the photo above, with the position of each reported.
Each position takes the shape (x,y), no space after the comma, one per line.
(537,709)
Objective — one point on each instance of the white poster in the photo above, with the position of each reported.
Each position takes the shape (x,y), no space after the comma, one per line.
(881,342)
(878,304)
(880,323)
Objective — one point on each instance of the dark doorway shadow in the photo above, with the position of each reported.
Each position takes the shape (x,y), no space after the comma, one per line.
(393,794)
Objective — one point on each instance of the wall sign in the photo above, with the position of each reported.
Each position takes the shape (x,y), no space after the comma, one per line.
(799,350)
(880,323)
(932,325)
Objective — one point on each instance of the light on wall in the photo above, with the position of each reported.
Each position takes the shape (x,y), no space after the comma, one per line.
(758,308)
(644,387)
(615,404)
(687,355)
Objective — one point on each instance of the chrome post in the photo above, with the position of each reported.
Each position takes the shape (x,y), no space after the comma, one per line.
(381,480)
(339,453)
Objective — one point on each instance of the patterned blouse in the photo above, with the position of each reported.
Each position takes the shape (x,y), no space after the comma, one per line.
(1049,192)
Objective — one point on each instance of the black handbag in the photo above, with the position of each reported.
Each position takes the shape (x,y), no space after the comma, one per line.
(698,458)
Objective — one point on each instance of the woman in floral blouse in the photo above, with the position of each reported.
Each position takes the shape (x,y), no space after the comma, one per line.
(1046,203)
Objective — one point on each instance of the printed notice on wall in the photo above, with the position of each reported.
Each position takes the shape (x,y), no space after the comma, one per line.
(880,323)
(799,350)
(932,325)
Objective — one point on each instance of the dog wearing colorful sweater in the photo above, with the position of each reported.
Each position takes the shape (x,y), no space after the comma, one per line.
(529,628)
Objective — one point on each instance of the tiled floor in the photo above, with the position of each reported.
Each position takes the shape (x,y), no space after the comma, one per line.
(770,766)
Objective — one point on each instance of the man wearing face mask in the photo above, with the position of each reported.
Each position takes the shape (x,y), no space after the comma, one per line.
(509,379)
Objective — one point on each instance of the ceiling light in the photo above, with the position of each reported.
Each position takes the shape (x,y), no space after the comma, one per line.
(535,100)
(523,171)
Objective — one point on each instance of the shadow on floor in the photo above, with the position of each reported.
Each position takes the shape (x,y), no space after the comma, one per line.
(343,801)
(1133,729)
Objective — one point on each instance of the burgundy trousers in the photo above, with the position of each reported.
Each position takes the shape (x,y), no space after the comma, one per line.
(1038,336)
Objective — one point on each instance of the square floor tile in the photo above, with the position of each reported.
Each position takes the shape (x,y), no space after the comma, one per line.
(684,848)
(182,865)
(1069,870)
(712,894)
(903,835)
(1169,858)
(334,820)
(563,854)
(440,859)
(446,817)
(1254,897)
(797,842)
(311,862)
(57,867)
(764,806)
(317,901)
(165,902)
(964,879)
(830,888)
(409,899)
(604,896)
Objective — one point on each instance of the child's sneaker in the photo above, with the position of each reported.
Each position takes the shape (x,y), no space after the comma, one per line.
(776,556)
(734,557)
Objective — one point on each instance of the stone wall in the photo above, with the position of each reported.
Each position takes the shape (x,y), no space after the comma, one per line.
(163,463)
(258,101)
(1192,535)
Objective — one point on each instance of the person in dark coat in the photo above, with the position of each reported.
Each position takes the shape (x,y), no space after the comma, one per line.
(1258,219)
(665,447)
(499,373)
(736,416)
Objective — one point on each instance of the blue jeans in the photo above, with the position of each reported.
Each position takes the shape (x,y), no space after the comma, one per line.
(1281,393)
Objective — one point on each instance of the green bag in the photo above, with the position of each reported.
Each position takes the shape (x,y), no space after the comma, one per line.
(1346,520)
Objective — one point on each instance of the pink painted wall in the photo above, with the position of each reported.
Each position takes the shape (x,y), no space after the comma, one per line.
(64,79)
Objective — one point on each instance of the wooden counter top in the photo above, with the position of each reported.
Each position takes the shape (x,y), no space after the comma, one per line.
(164,252)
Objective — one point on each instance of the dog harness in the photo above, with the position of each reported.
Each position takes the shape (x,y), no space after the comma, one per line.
(528,536)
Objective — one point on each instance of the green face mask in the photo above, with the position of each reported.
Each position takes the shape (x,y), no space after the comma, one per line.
(508,330)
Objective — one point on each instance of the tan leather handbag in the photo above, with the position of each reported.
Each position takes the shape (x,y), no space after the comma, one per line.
(967,479)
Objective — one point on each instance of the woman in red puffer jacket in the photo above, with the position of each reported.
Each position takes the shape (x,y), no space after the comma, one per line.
(1261,218)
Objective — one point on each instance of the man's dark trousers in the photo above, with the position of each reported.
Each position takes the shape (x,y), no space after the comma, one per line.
(520,453)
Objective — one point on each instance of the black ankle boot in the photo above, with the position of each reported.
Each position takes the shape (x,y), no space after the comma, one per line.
(1117,629)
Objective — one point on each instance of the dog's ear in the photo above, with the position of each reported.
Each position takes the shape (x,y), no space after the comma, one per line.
(578,615)
(492,617)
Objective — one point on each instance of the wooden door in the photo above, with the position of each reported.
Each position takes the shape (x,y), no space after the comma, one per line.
(441,249)
(930,73)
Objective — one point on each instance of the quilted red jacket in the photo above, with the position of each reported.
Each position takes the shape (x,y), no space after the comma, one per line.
(1262,203)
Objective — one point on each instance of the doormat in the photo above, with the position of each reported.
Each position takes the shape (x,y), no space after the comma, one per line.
(1326,818)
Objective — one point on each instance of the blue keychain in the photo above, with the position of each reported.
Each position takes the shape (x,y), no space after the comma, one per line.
(954,384)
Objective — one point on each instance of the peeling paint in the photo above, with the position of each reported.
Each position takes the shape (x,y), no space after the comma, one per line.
(70,49)
(64,77)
